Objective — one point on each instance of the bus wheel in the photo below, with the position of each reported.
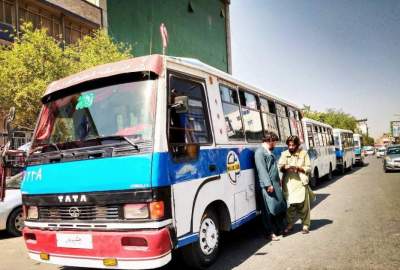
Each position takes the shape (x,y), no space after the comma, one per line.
(204,252)
(15,222)
(343,169)
(330,174)
(314,179)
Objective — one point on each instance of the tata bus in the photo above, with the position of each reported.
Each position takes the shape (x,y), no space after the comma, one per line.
(344,146)
(134,159)
(321,149)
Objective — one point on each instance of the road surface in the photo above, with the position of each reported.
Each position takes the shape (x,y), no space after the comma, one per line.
(355,225)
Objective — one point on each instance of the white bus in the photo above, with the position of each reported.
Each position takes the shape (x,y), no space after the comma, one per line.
(164,160)
(344,145)
(321,149)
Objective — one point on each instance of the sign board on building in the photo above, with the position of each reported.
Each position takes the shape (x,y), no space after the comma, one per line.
(395,128)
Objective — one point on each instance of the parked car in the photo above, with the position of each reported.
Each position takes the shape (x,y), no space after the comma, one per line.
(11,216)
(380,152)
(369,150)
(392,159)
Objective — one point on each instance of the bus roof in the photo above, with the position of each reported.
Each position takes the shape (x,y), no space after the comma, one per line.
(315,122)
(338,130)
(152,63)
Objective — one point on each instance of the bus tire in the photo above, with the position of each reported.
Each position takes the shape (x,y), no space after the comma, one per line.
(330,173)
(203,253)
(343,169)
(314,178)
(15,222)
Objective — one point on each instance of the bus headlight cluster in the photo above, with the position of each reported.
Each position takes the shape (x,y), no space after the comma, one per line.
(153,210)
(32,212)
(136,211)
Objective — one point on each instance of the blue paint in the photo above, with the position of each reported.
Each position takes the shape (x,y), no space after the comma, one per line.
(187,239)
(243,220)
(102,174)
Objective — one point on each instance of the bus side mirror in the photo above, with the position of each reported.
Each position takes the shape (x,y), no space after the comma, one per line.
(181,104)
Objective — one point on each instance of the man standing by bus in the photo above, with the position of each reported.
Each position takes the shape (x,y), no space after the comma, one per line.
(295,166)
(273,205)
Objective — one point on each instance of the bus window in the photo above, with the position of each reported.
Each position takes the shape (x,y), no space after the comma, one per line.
(283,122)
(310,136)
(190,128)
(233,118)
(316,138)
(251,117)
(268,116)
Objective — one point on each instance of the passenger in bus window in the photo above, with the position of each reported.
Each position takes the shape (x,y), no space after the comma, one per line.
(295,166)
(270,194)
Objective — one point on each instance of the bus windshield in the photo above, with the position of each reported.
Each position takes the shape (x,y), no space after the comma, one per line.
(79,120)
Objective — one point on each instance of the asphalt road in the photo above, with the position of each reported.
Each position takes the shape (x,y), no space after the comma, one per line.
(355,225)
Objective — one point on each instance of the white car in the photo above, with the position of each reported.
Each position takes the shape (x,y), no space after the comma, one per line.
(380,152)
(369,150)
(11,216)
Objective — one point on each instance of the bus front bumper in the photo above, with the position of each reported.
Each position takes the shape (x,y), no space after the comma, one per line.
(100,249)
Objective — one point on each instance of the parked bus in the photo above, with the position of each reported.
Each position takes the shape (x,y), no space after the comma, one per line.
(321,149)
(358,149)
(131,160)
(344,145)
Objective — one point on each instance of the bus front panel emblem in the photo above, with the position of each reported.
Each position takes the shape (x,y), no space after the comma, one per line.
(232,166)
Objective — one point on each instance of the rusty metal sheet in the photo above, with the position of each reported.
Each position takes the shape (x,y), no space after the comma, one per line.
(152,63)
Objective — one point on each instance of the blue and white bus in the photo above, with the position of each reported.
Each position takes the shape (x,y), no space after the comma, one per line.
(358,152)
(131,160)
(321,149)
(344,144)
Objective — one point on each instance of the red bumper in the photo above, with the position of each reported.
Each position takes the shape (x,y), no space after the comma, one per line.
(126,247)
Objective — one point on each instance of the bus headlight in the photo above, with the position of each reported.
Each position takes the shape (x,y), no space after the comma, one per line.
(157,210)
(136,211)
(33,212)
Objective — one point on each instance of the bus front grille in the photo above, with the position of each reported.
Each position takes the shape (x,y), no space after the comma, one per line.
(109,212)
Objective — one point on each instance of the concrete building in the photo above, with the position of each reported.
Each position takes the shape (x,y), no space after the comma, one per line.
(196,28)
(66,20)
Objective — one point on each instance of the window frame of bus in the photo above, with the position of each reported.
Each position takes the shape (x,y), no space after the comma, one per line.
(234,89)
(245,91)
(310,125)
(184,155)
(286,117)
(270,113)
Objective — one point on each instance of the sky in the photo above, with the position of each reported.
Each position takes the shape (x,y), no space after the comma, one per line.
(327,54)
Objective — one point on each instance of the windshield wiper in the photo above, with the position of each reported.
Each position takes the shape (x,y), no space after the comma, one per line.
(119,137)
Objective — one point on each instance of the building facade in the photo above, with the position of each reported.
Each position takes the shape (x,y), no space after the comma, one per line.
(196,28)
(66,20)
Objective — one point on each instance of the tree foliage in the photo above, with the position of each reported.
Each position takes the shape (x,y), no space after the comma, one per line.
(337,119)
(35,59)
(333,117)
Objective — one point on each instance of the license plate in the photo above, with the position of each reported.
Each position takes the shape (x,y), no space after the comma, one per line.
(74,240)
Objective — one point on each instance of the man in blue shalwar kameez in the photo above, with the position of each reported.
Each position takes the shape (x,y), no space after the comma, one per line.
(272,201)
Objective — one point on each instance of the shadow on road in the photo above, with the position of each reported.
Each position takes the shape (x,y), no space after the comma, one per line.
(5,235)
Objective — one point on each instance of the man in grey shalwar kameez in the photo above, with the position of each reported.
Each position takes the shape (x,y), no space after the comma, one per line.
(272,201)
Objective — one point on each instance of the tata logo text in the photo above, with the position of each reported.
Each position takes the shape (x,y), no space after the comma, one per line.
(72,198)
(33,175)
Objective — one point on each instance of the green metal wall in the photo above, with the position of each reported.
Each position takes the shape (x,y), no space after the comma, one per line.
(199,34)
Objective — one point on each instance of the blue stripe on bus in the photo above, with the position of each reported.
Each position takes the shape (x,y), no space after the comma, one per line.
(130,172)
(244,220)
(187,239)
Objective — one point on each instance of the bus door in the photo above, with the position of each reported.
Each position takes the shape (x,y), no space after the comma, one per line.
(192,157)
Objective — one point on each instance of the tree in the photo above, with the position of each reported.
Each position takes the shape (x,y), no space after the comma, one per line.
(35,59)
(333,117)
